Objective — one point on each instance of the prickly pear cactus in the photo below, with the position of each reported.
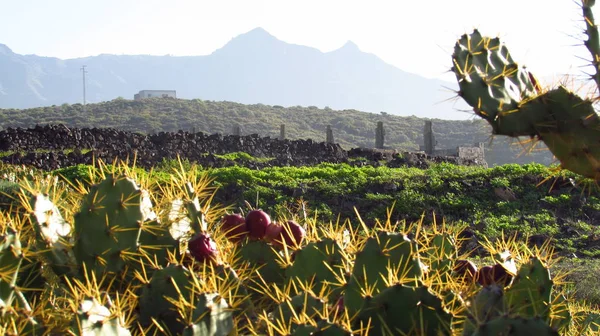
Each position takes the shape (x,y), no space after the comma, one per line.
(11,256)
(440,254)
(515,326)
(486,305)
(377,282)
(95,319)
(402,310)
(530,293)
(322,328)
(114,224)
(321,264)
(265,259)
(493,83)
(302,306)
(509,98)
(386,256)
(211,317)
(53,234)
(159,296)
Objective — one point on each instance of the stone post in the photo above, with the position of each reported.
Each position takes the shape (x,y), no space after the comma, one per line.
(282,132)
(379,135)
(329,135)
(429,138)
(237,130)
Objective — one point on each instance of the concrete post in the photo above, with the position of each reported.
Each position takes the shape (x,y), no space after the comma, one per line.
(379,135)
(237,130)
(329,135)
(429,138)
(282,132)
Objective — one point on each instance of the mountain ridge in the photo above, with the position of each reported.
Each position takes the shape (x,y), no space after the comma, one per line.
(254,67)
(351,128)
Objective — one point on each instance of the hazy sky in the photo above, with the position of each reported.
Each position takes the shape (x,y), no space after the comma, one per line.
(414,35)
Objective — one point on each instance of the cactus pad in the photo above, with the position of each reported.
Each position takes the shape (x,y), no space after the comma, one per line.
(211,317)
(515,326)
(493,83)
(319,263)
(169,283)
(530,293)
(405,310)
(391,255)
(114,215)
(94,319)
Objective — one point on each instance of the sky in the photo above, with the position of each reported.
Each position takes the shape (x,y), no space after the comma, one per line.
(414,35)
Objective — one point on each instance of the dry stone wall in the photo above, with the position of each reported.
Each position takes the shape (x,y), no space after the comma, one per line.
(44,147)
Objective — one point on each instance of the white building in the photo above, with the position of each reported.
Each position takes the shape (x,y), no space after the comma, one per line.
(155,94)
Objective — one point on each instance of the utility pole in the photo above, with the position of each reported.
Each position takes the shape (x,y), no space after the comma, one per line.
(83,71)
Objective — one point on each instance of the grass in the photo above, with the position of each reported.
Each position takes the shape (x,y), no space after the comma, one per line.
(462,195)
(64,151)
(582,279)
(243,156)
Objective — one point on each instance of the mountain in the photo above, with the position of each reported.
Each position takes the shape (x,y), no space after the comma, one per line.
(254,67)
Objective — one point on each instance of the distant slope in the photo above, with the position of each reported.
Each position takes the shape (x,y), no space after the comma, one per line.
(254,67)
(351,128)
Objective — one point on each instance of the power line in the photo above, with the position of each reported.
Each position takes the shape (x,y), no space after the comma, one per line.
(83,71)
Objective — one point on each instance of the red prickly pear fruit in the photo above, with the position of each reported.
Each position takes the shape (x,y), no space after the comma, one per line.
(340,304)
(273,231)
(234,227)
(292,234)
(338,307)
(203,248)
(257,222)
(485,276)
(465,269)
(501,276)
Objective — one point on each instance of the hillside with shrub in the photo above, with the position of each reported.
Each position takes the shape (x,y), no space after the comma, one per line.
(351,128)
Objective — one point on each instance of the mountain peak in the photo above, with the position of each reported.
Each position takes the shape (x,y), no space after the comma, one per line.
(349,45)
(257,37)
(258,32)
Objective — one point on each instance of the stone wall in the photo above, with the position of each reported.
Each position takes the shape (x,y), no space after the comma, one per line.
(464,152)
(472,153)
(44,147)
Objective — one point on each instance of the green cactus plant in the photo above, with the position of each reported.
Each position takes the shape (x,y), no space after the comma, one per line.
(211,317)
(54,239)
(15,311)
(485,305)
(158,297)
(322,328)
(116,229)
(321,264)
(515,326)
(95,319)
(377,282)
(384,257)
(506,95)
(265,259)
(305,305)
(401,309)
(530,293)
(11,257)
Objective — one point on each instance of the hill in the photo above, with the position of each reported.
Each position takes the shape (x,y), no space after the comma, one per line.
(254,67)
(351,128)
